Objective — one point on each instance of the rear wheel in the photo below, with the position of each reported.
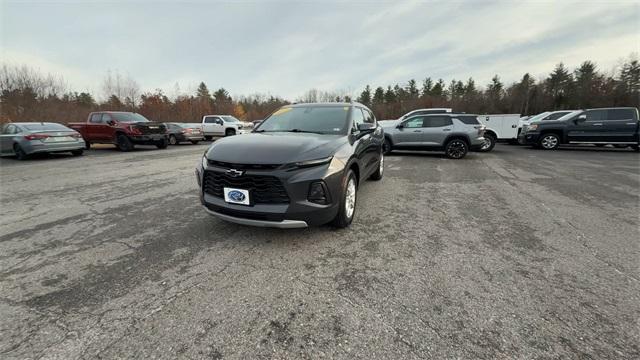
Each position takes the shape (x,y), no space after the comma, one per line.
(489,143)
(208,138)
(195,142)
(456,149)
(347,206)
(162,144)
(20,154)
(172,140)
(378,174)
(77,152)
(229,132)
(549,141)
(386,146)
(123,143)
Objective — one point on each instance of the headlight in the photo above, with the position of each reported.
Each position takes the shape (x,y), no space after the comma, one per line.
(205,162)
(532,127)
(309,163)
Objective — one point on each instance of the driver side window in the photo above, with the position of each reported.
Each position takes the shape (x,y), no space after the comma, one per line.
(358,117)
(416,122)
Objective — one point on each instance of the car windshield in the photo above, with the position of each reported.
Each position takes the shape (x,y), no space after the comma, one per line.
(228,118)
(315,119)
(538,117)
(570,114)
(556,115)
(129,117)
(46,127)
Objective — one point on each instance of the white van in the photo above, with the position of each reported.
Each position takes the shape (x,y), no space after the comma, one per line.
(499,127)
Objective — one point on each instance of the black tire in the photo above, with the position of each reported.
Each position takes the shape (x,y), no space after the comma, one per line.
(162,144)
(549,141)
(456,148)
(601,145)
(229,132)
(77,152)
(636,147)
(378,174)
(208,138)
(620,146)
(173,140)
(20,154)
(123,143)
(386,146)
(87,145)
(342,220)
(489,143)
(195,142)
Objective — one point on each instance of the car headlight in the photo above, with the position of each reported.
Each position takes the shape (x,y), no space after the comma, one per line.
(309,163)
(205,162)
(532,127)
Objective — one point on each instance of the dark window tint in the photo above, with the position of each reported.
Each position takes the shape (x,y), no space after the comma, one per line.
(416,122)
(95,118)
(437,121)
(556,115)
(621,114)
(469,120)
(596,115)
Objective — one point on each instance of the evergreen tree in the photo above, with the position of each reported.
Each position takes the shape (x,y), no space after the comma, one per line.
(365,96)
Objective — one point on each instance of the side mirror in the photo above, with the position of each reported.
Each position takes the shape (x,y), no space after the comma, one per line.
(581,118)
(400,126)
(366,127)
(111,122)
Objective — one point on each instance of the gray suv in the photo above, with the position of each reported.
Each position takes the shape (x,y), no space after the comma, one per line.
(455,134)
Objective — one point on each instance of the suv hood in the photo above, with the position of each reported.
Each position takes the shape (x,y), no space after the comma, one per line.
(274,148)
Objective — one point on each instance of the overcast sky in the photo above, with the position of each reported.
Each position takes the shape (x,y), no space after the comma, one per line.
(285,48)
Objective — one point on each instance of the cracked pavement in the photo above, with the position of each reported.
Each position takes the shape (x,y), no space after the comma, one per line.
(517,253)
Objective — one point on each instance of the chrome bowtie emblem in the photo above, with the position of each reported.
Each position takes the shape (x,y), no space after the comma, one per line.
(234,172)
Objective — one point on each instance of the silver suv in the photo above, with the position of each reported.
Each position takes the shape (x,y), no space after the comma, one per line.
(455,134)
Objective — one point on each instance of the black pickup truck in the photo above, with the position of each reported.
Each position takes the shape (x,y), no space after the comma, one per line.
(617,126)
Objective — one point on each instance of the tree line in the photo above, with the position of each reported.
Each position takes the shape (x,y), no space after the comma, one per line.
(29,95)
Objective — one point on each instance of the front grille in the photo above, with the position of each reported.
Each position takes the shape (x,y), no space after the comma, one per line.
(262,189)
(158,129)
(246,214)
(227,165)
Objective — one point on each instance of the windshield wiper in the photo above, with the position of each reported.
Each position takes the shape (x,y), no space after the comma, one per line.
(303,131)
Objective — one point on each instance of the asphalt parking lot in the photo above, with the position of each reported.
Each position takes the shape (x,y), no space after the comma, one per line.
(514,254)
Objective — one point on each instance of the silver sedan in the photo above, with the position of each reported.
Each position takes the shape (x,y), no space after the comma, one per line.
(24,139)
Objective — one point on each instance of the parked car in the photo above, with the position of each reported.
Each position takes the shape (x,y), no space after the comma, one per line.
(24,139)
(424,111)
(123,129)
(617,126)
(455,134)
(221,125)
(184,132)
(499,127)
(547,115)
(300,167)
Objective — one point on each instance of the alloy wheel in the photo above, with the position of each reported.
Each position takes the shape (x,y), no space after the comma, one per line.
(350,198)
(549,142)
(456,149)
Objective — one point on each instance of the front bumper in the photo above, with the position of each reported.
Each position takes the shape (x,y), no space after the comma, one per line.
(298,212)
(150,139)
(528,138)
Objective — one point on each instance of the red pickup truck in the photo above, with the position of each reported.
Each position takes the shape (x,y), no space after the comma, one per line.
(124,129)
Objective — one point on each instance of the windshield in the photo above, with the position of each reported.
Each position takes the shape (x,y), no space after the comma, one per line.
(129,117)
(46,127)
(570,114)
(538,117)
(316,119)
(556,115)
(228,118)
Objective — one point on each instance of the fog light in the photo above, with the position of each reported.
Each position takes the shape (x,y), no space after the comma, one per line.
(317,193)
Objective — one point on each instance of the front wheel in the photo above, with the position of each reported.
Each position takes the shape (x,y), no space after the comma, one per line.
(488,144)
(386,146)
(549,141)
(456,149)
(208,138)
(347,206)
(77,152)
(20,154)
(172,140)
(195,142)
(162,144)
(229,132)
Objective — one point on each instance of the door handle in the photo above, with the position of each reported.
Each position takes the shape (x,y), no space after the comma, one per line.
(417,130)
(600,124)
(446,129)
(633,123)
